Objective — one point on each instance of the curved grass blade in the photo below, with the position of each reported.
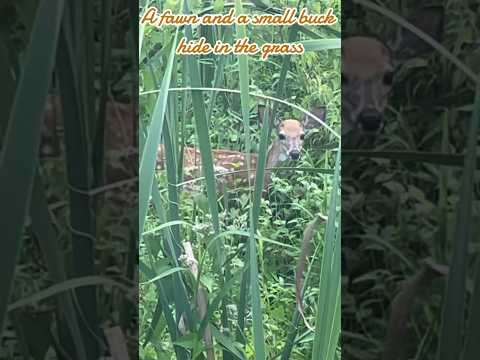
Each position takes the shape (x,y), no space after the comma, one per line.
(68,285)
(261,96)
(422,35)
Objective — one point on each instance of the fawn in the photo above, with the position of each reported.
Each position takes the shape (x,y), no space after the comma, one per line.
(231,166)
(368,66)
(120,145)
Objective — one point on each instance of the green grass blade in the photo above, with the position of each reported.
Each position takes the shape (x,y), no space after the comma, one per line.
(329,276)
(19,157)
(149,155)
(157,314)
(171,167)
(183,132)
(260,170)
(321,44)
(164,274)
(259,340)
(252,254)
(337,307)
(244,79)
(219,74)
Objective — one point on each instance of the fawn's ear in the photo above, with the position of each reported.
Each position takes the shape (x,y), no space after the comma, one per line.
(406,45)
(310,123)
(262,114)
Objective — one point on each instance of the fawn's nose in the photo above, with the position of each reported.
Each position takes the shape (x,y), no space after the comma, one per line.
(370,120)
(294,154)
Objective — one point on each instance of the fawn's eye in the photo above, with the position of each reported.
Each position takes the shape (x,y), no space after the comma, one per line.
(281,136)
(388,78)
(302,136)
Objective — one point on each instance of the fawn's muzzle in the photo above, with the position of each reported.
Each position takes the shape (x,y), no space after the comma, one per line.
(294,154)
(370,121)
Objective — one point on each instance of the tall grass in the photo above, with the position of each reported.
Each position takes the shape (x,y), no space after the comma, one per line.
(53,252)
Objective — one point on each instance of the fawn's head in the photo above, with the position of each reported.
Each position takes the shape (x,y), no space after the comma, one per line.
(368,67)
(291,133)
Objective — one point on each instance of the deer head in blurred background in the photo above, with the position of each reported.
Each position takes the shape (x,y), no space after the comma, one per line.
(368,68)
